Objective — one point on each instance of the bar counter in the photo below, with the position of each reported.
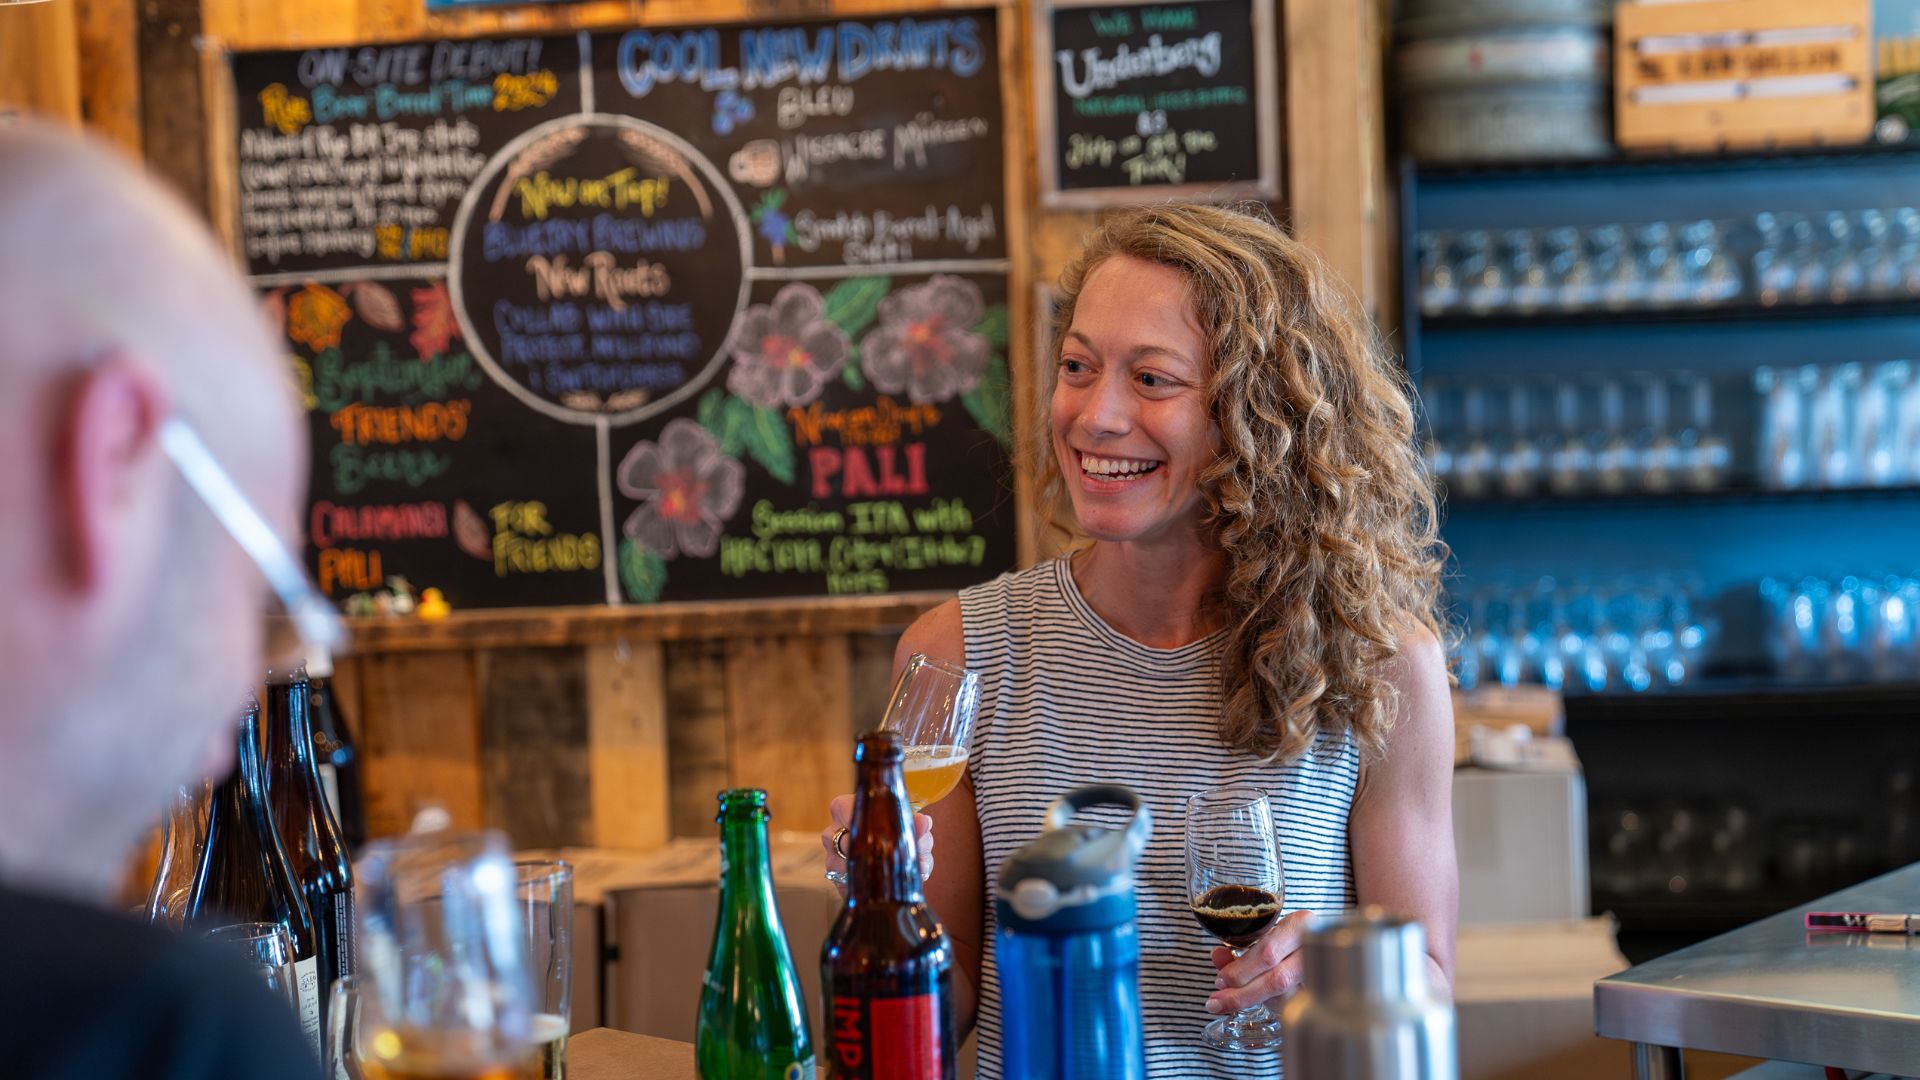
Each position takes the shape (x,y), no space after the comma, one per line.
(605,1054)
(1773,990)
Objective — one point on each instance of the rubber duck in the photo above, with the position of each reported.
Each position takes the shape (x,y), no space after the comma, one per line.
(432,606)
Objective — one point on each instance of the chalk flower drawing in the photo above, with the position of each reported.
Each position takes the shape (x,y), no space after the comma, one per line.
(786,351)
(687,488)
(315,315)
(924,346)
(433,325)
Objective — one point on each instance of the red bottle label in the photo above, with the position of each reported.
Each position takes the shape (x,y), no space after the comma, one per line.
(890,1038)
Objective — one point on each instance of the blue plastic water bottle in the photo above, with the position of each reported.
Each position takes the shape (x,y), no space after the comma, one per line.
(1066,951)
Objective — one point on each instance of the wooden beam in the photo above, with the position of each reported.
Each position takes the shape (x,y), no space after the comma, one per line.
(110,69)
(627,746)
(696,680)
(533,741)
(173,97)
(419,726)
(40,60)
(1337,179)
(660,622)
(789,701)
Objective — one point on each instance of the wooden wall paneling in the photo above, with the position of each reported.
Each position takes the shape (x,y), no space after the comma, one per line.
(173,104)
(533,740)
(696,691)
(420,731)
(627,746)
(789,701)
(40,60)
(870,667)
(108,35)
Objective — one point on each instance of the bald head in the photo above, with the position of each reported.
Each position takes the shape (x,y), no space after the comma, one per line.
(135,624)
(96,256)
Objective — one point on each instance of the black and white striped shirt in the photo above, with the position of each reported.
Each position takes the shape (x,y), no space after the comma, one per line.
(1066,699)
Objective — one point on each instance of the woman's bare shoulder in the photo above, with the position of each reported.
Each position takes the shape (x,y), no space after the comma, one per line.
(937,633)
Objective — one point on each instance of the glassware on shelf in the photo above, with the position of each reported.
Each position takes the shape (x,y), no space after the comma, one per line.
(1846,276)
(1705,456)
(1483,279)
(1853,627)
(1782,426)
(1570,462)
(1613,454)
(1522,461)
(1528,282)
(1474,463)
(1621,284)
(1841,426)
(1569,271)
(1712,276)
(1631,635)
(1772,270)
(1659,453)
(1439,278)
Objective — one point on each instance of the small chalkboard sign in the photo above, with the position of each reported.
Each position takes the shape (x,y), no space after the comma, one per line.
(1140,102)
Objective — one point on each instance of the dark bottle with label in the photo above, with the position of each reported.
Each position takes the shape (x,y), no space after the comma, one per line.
(753,1018)
(307,828)
(887,966)
(244,875)
(335,758)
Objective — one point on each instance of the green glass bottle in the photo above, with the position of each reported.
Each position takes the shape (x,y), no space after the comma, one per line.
(753,1018)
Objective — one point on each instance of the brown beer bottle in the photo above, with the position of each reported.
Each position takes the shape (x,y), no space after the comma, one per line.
(887,967)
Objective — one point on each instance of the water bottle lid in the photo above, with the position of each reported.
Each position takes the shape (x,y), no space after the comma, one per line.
(1075,877)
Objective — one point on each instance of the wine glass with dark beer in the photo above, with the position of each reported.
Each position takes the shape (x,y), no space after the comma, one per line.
(1235,888)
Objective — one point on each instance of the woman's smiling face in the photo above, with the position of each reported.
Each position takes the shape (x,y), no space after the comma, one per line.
(1129,418)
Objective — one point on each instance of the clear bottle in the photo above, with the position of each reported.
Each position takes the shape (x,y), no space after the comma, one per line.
(182,839)
(887,966)
(753,1017)
(244,875)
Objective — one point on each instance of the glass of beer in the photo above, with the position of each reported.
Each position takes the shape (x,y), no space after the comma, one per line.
(543,892)
(443,990)
(931,712)
(1235,889)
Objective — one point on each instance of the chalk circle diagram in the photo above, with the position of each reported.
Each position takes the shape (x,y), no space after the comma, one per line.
(588,309)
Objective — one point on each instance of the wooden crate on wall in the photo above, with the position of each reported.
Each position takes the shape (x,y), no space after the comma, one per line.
(1717,74)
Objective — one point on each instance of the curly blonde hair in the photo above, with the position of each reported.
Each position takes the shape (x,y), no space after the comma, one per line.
(1319,500)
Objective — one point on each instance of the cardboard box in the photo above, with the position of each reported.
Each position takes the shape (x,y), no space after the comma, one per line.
(1523,1001)
(1521,840)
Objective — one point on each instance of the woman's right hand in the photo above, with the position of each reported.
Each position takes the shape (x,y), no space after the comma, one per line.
(841,811)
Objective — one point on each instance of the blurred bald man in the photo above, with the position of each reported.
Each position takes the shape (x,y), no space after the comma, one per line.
(131,622)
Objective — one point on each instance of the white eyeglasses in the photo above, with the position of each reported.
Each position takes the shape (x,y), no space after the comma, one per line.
(311,616)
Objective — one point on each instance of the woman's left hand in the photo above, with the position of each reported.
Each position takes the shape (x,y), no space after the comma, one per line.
(1269,971)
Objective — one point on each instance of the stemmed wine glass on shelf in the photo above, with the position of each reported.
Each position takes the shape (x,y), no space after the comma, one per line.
(1235,888)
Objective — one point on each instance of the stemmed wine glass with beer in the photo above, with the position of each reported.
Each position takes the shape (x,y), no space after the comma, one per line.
(1235,887)
(931,712)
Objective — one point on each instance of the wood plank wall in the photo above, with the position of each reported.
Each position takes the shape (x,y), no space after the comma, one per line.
(616,730)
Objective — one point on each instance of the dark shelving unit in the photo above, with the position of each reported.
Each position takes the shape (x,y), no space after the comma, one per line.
(1803,759)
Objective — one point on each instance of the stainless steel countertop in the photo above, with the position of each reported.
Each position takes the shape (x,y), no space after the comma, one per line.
(1773,990)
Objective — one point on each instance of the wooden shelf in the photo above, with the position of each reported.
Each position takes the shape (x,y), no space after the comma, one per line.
(523,627)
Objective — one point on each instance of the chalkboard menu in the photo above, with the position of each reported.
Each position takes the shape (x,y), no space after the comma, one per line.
(658,314)
(1147,101)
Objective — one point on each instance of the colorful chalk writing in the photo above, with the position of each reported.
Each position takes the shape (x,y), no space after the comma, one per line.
(644,315)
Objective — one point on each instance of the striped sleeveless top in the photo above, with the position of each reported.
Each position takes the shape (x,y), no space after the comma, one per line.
(1066,699)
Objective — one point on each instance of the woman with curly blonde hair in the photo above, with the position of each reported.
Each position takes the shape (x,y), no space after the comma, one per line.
(1249,601)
